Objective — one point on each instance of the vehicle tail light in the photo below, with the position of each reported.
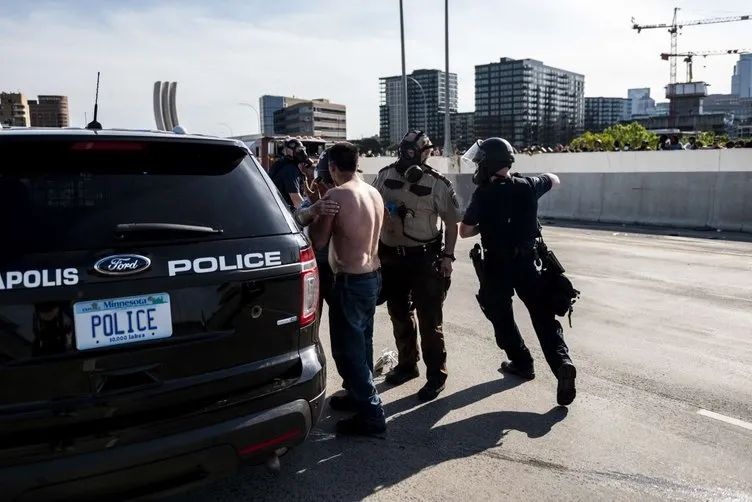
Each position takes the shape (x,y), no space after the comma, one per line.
(310,287)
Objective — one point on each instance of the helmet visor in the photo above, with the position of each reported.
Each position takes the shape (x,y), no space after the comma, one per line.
(474,154)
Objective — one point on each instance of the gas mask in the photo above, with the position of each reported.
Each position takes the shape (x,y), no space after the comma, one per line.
(414,150)
(412,174)
(301,157)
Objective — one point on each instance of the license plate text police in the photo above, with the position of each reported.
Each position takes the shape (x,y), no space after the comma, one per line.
(102,323)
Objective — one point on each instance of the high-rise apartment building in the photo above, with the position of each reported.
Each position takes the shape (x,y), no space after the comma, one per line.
(601,113)
(14,110)
(529,103)
(49,111)
(741,80)
(426,104)
(317,117)
(463,130)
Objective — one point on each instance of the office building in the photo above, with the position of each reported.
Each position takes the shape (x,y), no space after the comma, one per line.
(529,103)
(14,110)
(463,130)
(268,106)
(661,109)
(303,117)
(426,105)
(317,117)
(741,80)
(642,104)
(49,111)
(601,113)
(737,112)
(737,109)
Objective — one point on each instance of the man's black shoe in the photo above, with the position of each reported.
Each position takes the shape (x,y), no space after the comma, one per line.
(398,375)
(343,403)
(509,368)
(566,392)
(360,426)
(430,391)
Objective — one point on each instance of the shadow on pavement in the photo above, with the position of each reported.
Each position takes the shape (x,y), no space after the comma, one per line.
(333,468)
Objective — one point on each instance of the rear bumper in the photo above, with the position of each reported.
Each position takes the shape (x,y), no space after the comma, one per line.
(176,462)
(162,466)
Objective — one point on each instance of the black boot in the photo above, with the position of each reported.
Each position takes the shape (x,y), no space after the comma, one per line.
(430,391)
(511,369)
(400,375)
(566,391)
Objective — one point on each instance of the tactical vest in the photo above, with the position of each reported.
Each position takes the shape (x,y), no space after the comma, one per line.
(508,215)
(413,216)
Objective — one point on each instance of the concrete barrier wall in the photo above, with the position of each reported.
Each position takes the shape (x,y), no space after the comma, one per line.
(692,189)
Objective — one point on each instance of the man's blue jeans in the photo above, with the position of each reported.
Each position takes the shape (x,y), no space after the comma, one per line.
(352,306)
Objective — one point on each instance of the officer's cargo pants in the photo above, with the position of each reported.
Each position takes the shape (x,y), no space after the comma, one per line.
(412,284)
(505,275)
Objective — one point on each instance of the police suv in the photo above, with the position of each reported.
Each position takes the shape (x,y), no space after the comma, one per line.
(157,314)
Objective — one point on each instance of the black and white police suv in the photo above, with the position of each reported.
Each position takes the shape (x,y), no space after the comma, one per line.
(157,315)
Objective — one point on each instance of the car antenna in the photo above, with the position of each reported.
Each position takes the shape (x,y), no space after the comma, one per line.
(94,124)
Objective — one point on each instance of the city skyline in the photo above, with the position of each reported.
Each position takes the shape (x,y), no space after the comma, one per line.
(225,55)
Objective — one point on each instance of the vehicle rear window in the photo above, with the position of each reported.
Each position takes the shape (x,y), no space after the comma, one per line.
(59,209)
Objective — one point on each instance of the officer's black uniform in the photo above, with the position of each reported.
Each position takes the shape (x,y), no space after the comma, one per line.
(285,173)
(416,196)
(505,209)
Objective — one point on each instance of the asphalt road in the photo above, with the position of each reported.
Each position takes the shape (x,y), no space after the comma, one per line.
(663,331)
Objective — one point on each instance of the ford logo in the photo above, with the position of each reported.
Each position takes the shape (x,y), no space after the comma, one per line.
(123,264)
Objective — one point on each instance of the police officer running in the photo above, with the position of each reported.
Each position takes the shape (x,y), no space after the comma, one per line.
(416,268)
(504,210)
(287,172)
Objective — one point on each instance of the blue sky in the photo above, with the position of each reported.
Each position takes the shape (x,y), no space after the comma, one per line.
(235,51)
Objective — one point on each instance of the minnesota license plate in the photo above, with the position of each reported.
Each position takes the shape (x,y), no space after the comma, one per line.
(118,321)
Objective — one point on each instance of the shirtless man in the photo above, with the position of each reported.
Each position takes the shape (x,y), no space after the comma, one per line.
(353,256)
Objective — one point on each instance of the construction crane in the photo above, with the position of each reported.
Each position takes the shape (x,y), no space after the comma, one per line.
(689,57)
(675,26)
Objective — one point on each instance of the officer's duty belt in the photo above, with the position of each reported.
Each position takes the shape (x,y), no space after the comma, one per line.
(511,252)
(431,247)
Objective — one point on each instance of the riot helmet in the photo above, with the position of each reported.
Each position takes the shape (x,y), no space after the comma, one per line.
(322,169)
(487,157)
(414,150)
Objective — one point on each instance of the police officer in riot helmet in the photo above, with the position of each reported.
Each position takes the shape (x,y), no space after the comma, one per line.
(504,211)
(416,258)
(287,173)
